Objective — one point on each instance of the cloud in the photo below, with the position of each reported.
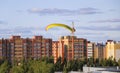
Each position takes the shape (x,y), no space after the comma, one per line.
(72,20)
(2,22)
(30,32)
(22,31)
(102,28)
(15,31)
(92,35)
(111,10)
(56,11)
(106,21)
(88,33)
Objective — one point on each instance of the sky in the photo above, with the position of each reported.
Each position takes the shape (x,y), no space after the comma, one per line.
(94,20)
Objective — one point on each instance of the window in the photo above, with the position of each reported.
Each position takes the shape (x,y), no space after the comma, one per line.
(47,47)
(0,45)
(0,49)
(25,43)
(76,51)
(12,44)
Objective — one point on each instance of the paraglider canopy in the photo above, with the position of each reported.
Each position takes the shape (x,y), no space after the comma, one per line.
(60,25)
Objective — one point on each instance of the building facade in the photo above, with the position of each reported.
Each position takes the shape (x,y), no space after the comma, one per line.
(117,51)
(55,46)
(110,49)
(67,47)
(95,53)
(74,48)
(3,49)
(99,51)
(41,47)
(113,49)
(17,48)
(90,49)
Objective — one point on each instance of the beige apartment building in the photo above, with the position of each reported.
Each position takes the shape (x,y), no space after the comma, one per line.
(117,51)
(112,49)
(99,51)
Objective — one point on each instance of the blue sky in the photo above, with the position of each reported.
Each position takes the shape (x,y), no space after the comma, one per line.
(95,20)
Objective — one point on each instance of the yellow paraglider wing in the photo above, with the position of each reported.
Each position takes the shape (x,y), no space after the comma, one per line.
(60,25)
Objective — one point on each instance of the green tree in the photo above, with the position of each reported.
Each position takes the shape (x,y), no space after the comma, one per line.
(115,62)
(4,67)
(109,61)
(17,69)
(30,62)
(80,65)
(37,66)
(51,60)
(97,62)
(103,62)
(58,65)
(65,69)
(47,67)
(119,62)
(68,66)
(74,65)
(90,62)
(48,59)
(20,66)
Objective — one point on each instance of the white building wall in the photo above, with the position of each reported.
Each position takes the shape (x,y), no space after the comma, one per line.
(100,70)
(90,50)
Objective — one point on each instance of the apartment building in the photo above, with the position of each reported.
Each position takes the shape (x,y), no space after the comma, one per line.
(27,48)
(17,48)
(110,49)
(117,51)
(3,49)
(74,48)
(55,46)
(90,49)
(99,51)
(58,50)
(95,53)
